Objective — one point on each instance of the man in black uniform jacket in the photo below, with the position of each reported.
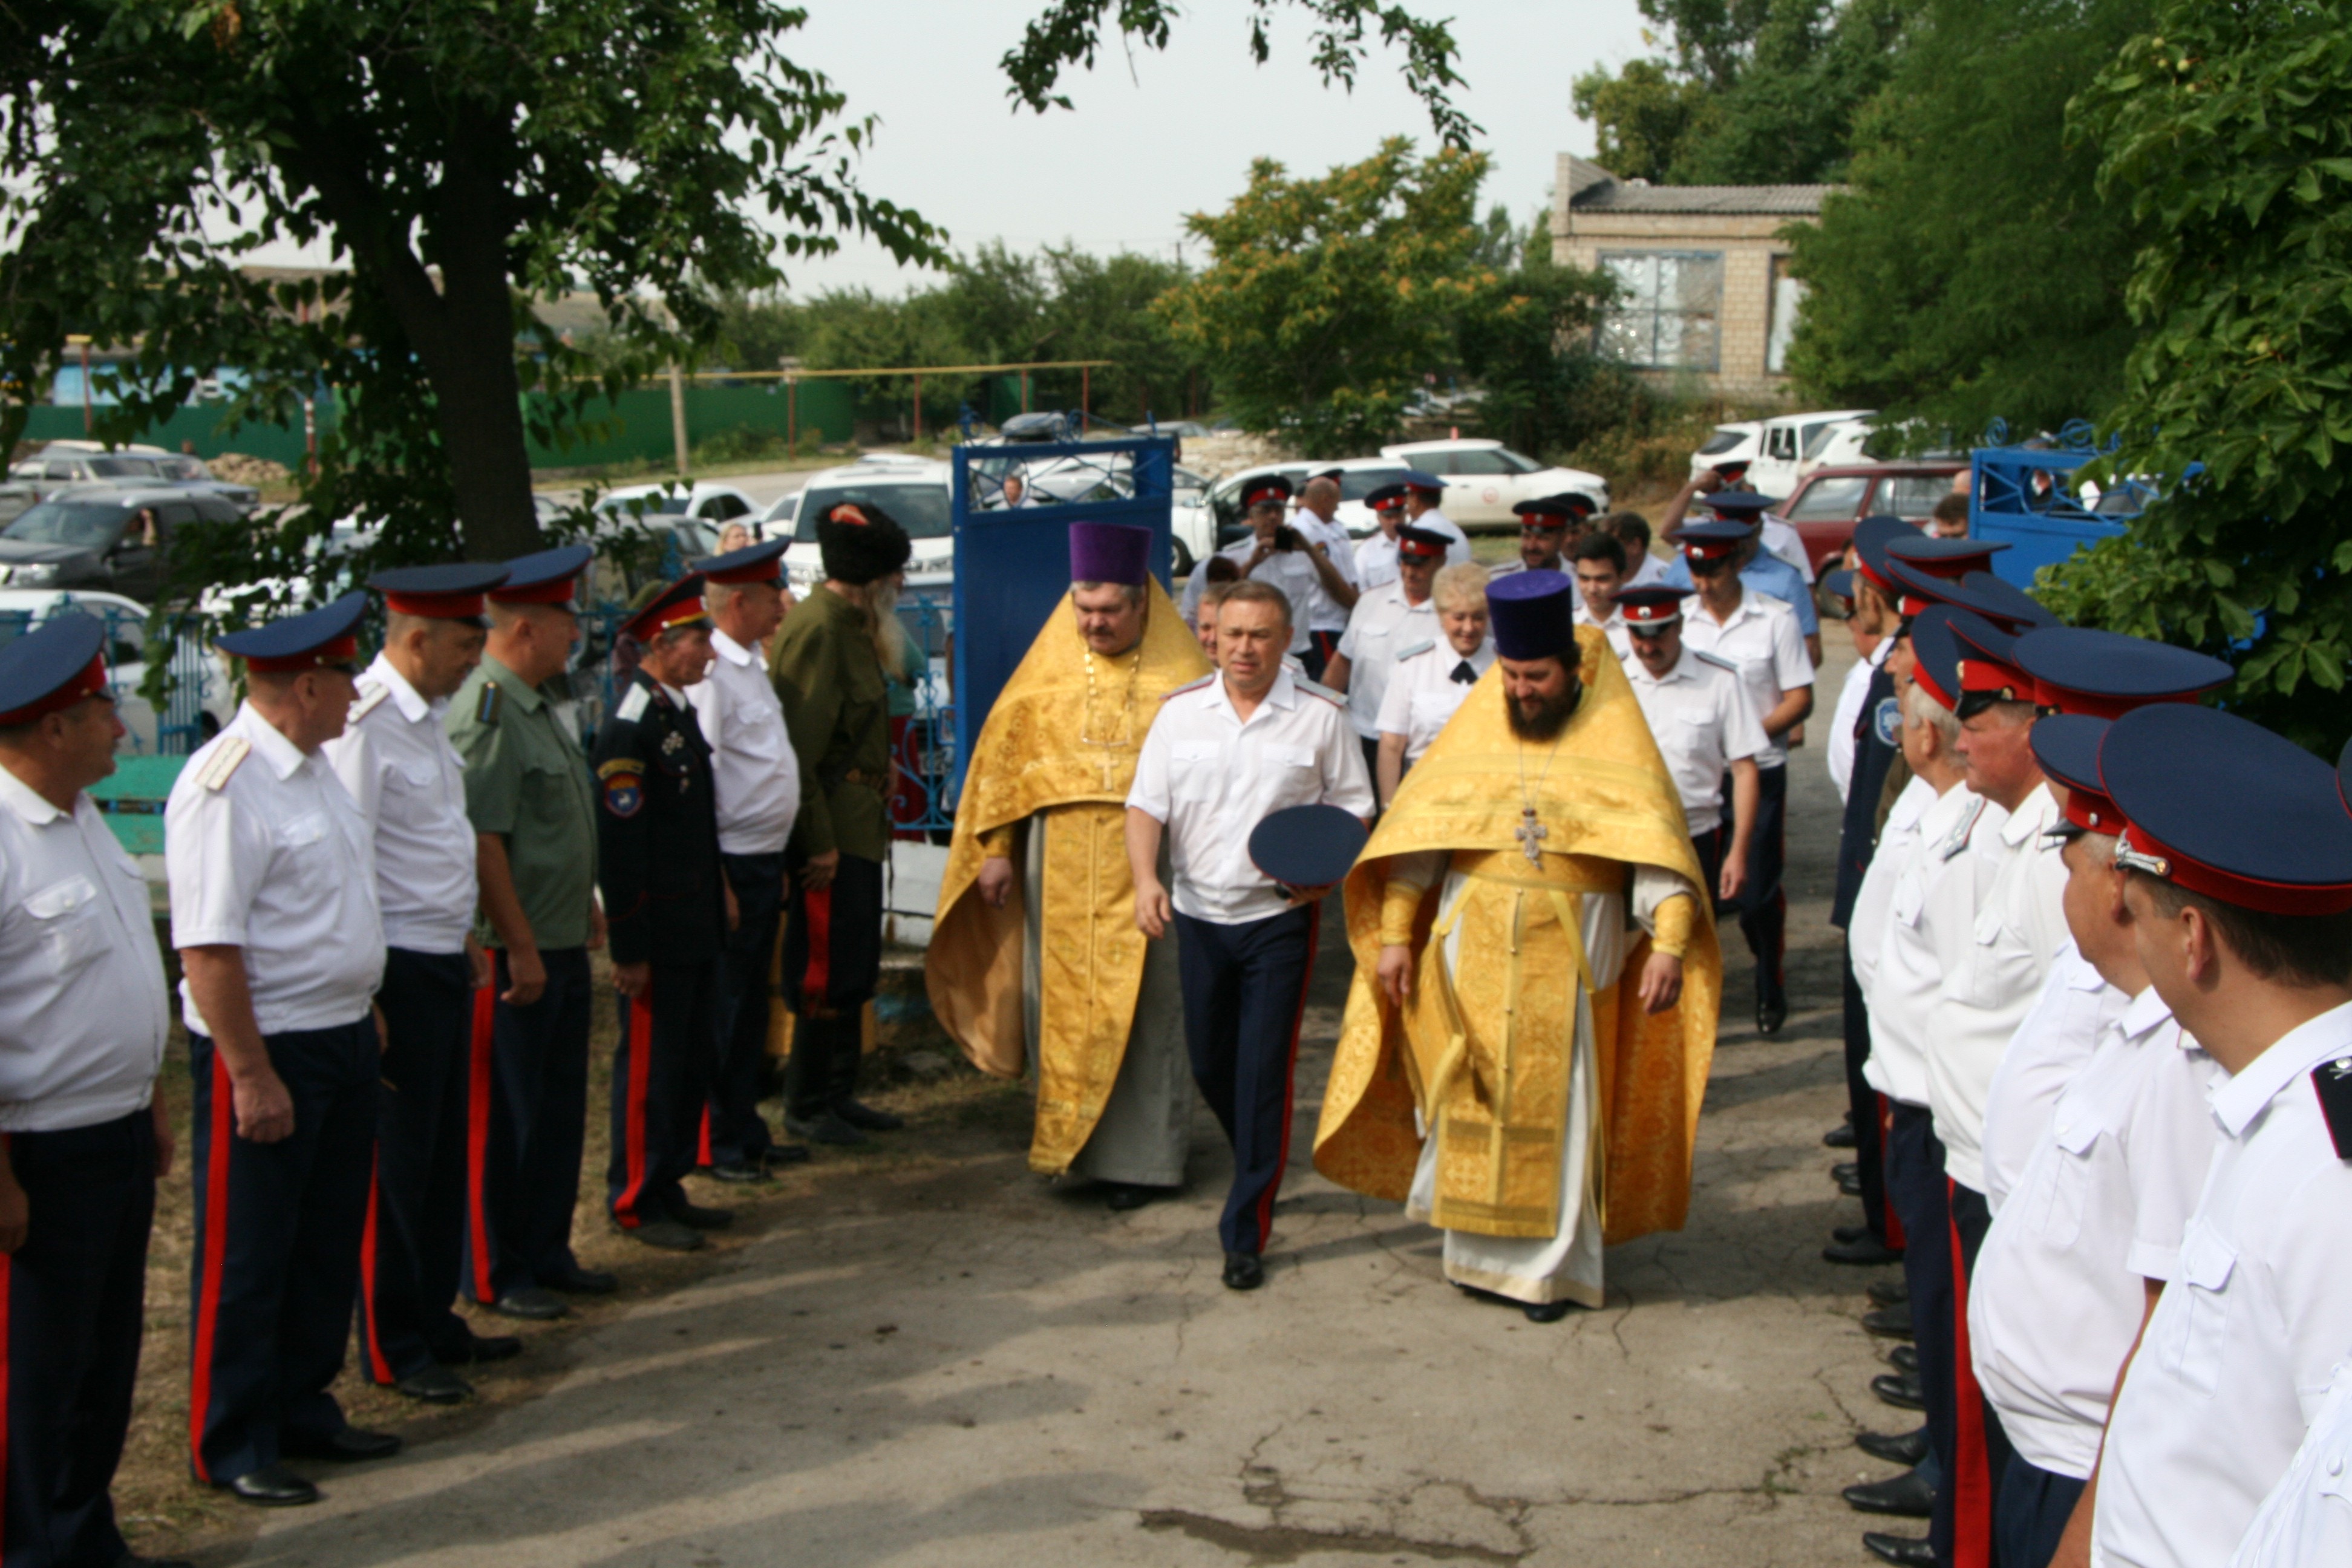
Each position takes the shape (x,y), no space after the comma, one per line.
(666,913)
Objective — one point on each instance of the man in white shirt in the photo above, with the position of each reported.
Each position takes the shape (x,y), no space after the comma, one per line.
(1389,624)
(1376,557)
(1759,634)
(1279,554)
(1421,494)
(396,759)
(1706,729)
(1723,489)
(1333,595)
(2308,1518)
(282,949)
(758,780)
(1869,622)
(83,1132)
(1226,752)
(2238,852)
(1632,530)
(1549,529)
(1600,572)
(1431,678)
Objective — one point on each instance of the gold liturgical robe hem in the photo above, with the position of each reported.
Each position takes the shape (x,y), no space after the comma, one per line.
(1056,741)
(1493,1076)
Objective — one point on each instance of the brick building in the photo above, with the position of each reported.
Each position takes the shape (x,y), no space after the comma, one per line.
(1704,272)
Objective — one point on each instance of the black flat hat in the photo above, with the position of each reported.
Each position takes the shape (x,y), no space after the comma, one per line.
(1307,846)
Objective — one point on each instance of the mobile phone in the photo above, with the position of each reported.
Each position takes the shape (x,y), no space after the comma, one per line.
(1287,538)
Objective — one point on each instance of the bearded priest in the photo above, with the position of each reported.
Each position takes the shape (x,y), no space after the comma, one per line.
(1526,1042)
(1035,958)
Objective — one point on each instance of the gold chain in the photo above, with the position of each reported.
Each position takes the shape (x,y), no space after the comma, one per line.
(1126,735)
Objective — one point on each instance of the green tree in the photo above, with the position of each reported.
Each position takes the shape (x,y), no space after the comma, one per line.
(1641,117)
(1327,298)
(1973,269)
(1525,337)
(2227,130)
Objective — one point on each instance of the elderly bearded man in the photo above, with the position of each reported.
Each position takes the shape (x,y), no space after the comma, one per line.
(1035,956)
(1554,1049)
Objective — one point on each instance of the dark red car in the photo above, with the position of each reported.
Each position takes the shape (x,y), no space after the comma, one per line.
(1830,501)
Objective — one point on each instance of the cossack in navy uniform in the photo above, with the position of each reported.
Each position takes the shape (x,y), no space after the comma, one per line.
(666,916)
(83,1136)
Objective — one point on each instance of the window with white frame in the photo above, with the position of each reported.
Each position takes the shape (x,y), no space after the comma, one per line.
(1668,309)
(1788,298)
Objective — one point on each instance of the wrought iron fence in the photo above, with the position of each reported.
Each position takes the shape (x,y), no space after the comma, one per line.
(198,697)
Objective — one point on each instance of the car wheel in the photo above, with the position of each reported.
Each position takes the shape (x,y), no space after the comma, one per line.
(1184,567)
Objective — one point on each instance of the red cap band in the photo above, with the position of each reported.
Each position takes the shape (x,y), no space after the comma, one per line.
(435,606)
(769,571)
(2005,681)
(342,650)
(1708,549)
(651,623)
(1414,550)
(2098,706)
(2245,892)
(91,682)
(554,591)
(2093,812)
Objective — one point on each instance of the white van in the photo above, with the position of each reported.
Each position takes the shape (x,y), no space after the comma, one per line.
(1736,442)
(1773,471)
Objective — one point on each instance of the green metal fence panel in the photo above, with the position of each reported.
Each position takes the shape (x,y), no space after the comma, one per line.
(198,424)
(133,800)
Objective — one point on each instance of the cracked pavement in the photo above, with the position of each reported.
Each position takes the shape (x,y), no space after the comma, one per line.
(942,1360)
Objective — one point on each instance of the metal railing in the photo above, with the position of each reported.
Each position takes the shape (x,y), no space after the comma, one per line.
(197,696)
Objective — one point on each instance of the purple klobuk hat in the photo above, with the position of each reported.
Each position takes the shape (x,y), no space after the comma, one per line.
(1534,614)
(1110,552)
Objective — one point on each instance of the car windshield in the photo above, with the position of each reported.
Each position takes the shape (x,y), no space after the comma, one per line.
(1516,462)
(1838,496)
(1723,440)
(1912,495)
(181,468)
(88,524)
(672,505)
(122,467)
(920,508)
(1355,484)
(1818,436)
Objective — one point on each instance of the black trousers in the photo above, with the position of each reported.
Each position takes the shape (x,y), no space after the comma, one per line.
(1316,656)
(735,1133)
(527,1119)
(277,1249)
(1921,1193)
(1709,847)
(1244,989)
(1869,1110)
(2029,1514)
(74,1299)
(1982,1447)
(1762,904)
(662,1066)
(416,1236)
(832,960)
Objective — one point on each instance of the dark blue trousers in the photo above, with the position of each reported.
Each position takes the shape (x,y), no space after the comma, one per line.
(833,961)
(2029,1514)
(277,1249)
(1244,988)
(526,1122)
(662,1065)
(415,1234)
(1867,1108)
(1920,1194)
(1984,1451)
(737,1132)
(1762,903)
(73,1297)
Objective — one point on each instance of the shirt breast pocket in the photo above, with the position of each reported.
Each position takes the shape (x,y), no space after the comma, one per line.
(1195,769)
(1434,706)
(2195,1337)
(2058,1207)
(66,921)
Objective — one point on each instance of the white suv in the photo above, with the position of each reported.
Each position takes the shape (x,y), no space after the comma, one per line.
(1484,479)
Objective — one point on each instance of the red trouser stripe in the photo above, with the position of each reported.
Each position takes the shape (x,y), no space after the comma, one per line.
(817,910)
(1885,1139)
(1290,1078)
(379,1367)
(215,1254)
(1972,1485)
(702,1154)
(479,1079)
(641,1042)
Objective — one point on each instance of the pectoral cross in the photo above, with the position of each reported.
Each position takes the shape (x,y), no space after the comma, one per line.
(1531,834)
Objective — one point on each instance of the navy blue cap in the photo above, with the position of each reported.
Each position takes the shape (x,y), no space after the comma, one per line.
(1422,543)
(1988,672)
(2001,601)
(752,563)
(1653,605)
(1416,480)
(1533,613)
(1565,505)
(1307,846)
(1265,489)
(2067,747)
(323,636)
(1839,584)
(450,593)
(1711,541)
(1739,503)
(679,605)
(2078,670)
(1384,498)
(2221,807)
(2344,774)
(1914,589)
(1952,558)
(1871,535)
(52,666)
(1937,652)
(543,578)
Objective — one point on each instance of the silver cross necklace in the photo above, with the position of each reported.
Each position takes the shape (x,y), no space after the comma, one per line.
(1531,833)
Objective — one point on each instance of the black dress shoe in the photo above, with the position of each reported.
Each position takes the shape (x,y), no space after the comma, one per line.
(1889,1322)
(826,1128)
(1846,1171)
(477,1350)
(272,1486)
(435,1385)
(785,1154)
(1851,1185)
(740,1171)
(530,1304)
(1900,1549)
(1906,1495)
(1901,1389)
(1839,1137)
(1869,1249)
(667,1235)
(1548,1311)
(1847,1235)
(695,1216)
(1770,1013)
(1888,1293)
(1244,1271)
(866,1119)
(578,1282)
(1904,1358)
(348,1445)
(1121,1197)
(1905,1448)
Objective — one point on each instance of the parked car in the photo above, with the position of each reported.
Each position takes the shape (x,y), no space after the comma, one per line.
(102,537)
(1773,467)
(62,463)
(913,490)
(718,504)
(1221,504)
(1736,442)
(205,696)
(1852,442)
(14,497)
(1484,479)
(1832,500)
(776,522)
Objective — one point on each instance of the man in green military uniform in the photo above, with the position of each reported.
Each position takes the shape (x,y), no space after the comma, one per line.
(828,670)
(528,795)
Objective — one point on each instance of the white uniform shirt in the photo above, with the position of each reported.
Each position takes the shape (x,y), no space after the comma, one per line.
(2018,926)
(1324,612)
(2064,1026)
(397,764)
(2057,1296)
(1762,641)
(1376,554)
(2243,1347)
(1211,779)
(1928,913)
(1898,839)
(1621,641)
(276,861)
(1779,539)
(1849,713)
(1423,694)
(1699,714)
(1647,569)
(2308,1518)
(83,1007)
(757,775)
(1383,628)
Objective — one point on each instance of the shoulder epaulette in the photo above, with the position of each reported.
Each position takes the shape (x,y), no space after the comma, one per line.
(224,763)
(1958,839)
(486,706)
(1424,646)
(371,698)
(1325,692)
(1716,659)
(1190,686)
(632,706)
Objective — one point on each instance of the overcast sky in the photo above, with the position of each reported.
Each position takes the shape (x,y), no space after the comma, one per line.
(1161,135)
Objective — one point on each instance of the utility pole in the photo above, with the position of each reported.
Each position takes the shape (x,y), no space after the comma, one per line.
(677,413)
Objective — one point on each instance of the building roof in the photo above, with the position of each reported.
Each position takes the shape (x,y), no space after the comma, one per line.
(1593,189)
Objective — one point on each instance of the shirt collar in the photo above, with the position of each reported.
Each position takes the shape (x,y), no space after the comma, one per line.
(412,707)
(731,651)
(1282,695)
(1878,654)
(2033,815)
(1749,609)
(25,801)
(511,684)
(2237,1102)
(2143,1014)
(1680,670)
(677,696)
(284,757)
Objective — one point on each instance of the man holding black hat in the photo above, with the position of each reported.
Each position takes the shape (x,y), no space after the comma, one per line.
(828,671)
(84,1135)
(396,759)
(281,950)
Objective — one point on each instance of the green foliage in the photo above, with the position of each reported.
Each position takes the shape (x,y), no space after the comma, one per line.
(1974,270)
(1525,337)
(1641,117)
(2228,131)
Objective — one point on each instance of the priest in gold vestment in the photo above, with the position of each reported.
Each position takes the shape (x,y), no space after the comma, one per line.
(1526,1042)
(1035,958)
